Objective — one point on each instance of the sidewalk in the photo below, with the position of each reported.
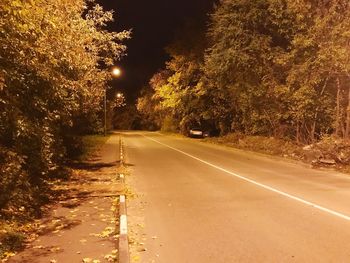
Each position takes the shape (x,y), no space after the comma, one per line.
(81,227)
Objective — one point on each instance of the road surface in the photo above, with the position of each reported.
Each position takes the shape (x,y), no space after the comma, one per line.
(200,203)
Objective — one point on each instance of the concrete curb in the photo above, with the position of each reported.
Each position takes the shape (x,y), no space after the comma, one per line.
(123,244)
(123,232)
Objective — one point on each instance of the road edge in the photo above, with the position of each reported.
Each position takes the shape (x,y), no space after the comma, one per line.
(123,244)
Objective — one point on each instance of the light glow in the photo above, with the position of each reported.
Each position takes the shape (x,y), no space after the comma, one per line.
(116,71)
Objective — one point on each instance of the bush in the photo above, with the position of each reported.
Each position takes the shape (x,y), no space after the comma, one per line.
(169,124)
(330,148)
(13,182)
(74,146)
(10,241)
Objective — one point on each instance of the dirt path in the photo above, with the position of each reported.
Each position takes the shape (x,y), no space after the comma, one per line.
(81,227)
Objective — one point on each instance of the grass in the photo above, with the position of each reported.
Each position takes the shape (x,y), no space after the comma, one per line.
(91,146)
(261,144)
(10,241)
(12,237)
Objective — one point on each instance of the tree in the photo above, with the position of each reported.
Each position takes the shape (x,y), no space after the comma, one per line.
(150,104)
(176,88)
(319,64)
(268,67)
(52,55)
(243,79)
(278,62)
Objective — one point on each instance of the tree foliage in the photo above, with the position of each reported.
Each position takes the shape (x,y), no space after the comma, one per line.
(269,67)
(53,60)
(173,99)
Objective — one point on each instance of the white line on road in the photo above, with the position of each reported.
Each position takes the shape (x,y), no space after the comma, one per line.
(324,209)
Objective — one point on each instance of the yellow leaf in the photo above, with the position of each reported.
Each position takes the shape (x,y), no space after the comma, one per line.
(136,258)
(38,246)
(55,249)
(9,254)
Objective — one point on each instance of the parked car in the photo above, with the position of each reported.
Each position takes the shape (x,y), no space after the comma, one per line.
(196,133)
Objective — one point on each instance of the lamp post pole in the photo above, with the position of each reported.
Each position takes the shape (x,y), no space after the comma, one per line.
(116,73)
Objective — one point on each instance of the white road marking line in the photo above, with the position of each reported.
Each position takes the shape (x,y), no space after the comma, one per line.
(123,225)
(122,199)
(324,209)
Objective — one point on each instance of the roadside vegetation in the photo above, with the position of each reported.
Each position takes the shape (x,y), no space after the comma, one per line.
(55,61)
(274,73)
(19,228)
(329,152)
(91,144)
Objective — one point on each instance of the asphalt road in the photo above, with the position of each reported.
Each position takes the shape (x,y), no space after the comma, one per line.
(201,203)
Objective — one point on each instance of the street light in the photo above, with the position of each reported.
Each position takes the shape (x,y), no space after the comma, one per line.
(120,100)
(116,72)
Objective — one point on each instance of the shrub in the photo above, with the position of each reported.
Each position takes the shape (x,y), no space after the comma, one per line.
(169,124)
(12,178)
(10,241)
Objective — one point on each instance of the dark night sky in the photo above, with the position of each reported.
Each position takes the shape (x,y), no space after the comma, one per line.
(153,24)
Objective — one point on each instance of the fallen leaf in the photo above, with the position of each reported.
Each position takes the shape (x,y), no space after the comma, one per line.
(55,249)
(110,257)
(9,254)
(37,247)
(136,258)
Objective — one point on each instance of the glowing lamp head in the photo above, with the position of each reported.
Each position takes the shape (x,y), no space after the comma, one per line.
(116,72)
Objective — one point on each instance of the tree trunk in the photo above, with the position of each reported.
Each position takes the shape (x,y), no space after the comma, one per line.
(313,125)
(313,129)
(337,117)
(298,133)
(347,129)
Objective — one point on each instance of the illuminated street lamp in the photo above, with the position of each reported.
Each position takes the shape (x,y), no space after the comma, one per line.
(120,100)
(116,72)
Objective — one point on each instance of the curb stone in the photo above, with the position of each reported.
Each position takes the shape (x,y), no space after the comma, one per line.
(123,245)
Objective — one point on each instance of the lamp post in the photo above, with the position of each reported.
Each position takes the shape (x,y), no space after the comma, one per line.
(115,73)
